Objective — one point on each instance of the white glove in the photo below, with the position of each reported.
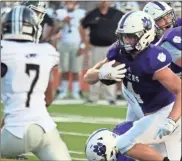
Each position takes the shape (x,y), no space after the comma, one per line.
(166,129)
(108,72)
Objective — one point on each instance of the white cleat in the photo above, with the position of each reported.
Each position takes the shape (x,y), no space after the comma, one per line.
(62,95)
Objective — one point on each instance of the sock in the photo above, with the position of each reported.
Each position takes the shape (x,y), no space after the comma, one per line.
(64,86)
(76,87)
(166,159)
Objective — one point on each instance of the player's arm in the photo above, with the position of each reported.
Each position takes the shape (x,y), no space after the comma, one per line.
(179,62)
(173,83)
(92,75)
(53,84)
(105,71)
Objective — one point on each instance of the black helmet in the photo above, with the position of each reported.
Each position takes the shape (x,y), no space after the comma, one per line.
(21,23)
(38,6)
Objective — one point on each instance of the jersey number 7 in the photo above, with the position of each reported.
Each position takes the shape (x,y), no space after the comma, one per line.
(31,67)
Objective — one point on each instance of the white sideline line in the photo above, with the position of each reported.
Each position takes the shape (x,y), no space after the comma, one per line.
(73,133)
(71,152)
(86,119)
(79,159)
(100,102)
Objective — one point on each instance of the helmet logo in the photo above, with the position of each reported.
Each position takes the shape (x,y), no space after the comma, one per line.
(99,149)
(147,23)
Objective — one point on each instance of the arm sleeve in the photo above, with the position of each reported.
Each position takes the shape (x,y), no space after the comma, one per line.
(158,59)
(173,51)
(86,20)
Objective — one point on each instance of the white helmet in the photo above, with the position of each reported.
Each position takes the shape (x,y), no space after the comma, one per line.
(126,7)
(158,10)
(136,25)
(100,144)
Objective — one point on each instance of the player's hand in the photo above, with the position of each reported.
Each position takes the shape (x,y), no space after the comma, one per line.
(112,155)
(108,72)
(166,129)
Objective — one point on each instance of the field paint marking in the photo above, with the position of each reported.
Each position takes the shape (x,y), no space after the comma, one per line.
(73,133)
(77,102)
(80,159)
(71,152)
(86,119)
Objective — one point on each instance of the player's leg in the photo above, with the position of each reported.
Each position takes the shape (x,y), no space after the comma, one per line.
(134,111)
(65,67)
(53,148)
(9,144)
(75,62)
(135,142)
(94,89)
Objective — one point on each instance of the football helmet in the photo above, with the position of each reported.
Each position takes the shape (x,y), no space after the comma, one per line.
(135,31)
(37,6)
(21,23)
(159,11)
(100,145)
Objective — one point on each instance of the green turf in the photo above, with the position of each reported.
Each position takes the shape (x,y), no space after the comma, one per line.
(77,143)
(84,110)
(81,127)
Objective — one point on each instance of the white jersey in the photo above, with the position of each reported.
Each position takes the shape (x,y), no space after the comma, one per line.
(70,32)
(24,85)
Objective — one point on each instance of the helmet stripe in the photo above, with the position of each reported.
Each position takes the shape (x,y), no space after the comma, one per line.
(21,19)
(13,20)
(159,5)
(17,20)
(124,19)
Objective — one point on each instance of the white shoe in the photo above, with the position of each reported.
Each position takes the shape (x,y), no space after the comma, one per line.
(62,95)
(76,96)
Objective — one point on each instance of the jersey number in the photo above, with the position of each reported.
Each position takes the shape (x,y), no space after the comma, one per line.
(137,96)
(31,67)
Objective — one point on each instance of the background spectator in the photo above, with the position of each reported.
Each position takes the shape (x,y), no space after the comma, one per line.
(102,22)
(69,45)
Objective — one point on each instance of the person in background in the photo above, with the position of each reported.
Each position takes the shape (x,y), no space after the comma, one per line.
(69,45)
(102,23)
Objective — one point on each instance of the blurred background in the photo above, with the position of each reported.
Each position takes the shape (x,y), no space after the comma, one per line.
(82,31)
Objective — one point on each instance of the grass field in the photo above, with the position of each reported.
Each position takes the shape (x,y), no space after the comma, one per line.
(76,122)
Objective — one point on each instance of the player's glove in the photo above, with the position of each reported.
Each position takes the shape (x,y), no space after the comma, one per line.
(166,129)
(108,72)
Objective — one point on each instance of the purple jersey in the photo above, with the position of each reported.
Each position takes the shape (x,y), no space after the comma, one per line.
(119,130)
(178,23)
(149,93)
(173,36)
(172,41)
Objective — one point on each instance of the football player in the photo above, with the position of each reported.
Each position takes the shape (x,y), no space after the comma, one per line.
(39,8)
(166,23)
(144,70)
(164,17)
(165,20)
(28,72)
(100,143)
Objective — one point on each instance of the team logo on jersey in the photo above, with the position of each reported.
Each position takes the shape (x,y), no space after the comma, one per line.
(177,39)
(161,57)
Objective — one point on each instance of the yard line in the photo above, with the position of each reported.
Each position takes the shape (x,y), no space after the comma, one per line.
(73,133)
(76,152)
(79,159)
(71,152)
(85,119)
(100,102)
